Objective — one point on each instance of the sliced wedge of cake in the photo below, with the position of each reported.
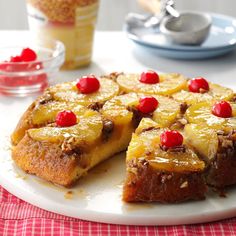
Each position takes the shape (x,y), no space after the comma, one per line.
(213,135)
(162,167)
(60,140)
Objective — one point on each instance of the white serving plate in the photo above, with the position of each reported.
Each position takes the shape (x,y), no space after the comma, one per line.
(97,197)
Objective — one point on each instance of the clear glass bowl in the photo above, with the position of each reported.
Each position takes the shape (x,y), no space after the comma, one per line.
(27,78)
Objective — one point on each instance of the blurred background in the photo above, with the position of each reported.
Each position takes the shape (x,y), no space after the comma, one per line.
(112,12)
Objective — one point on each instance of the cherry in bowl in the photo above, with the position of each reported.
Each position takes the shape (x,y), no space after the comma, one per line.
(29,67)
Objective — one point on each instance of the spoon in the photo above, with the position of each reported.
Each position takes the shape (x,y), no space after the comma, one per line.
(190,28)
(136,20)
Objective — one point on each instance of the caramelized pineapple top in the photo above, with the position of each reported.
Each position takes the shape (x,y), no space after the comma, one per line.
(121,107)
(145,144)
(216,92)
(203,139)
(65,96)
(168,84)
(68,92)
(87,130)
(46,113)
(202,113)
(209,141)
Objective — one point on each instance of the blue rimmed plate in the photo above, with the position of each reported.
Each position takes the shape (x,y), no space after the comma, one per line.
(221,40)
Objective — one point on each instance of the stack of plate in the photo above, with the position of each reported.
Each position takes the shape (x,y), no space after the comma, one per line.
(221,40)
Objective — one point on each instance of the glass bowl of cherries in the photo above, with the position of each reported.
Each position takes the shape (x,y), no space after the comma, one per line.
(28,69)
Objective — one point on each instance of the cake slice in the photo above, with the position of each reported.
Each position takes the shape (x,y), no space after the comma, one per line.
(156,172)
(60,140)
(63,154)
(218,148)
(212,133)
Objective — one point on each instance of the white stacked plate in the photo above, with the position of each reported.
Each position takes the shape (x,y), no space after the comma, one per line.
(221,40)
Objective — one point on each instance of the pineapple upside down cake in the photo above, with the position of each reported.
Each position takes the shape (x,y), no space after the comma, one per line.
(180,134)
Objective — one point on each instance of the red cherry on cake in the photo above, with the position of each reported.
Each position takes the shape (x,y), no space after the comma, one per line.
(197,85)
(28,54)
(149,77)
(222,109)
(88,84)
(66,118)
(171,138)
(147,104)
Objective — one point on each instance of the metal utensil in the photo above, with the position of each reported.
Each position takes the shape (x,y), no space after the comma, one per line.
(134,19)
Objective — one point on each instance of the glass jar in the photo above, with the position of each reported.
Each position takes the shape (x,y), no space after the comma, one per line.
(70,21)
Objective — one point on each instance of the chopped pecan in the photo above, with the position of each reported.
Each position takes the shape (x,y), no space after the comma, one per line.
(108,127)
(133,170)
(148,129)
(220,132)
(184,184)
(137,115)
(96,106)
(183,107)
(68,144)
(47,97)
(165,178)
(234,98)
(143,161)
(113,76)
(227,141)
(181,148)
(183,121)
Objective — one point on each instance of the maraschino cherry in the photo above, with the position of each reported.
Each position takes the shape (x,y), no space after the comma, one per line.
(149,77)
(66,118)
(88,84)
(147,104)
(15,59)
(28,54)
(222,109)
(171,138)
(198,85)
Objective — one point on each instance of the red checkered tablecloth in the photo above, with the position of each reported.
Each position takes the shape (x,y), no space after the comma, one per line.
(20,218)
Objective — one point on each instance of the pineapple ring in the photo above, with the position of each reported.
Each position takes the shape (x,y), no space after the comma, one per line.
(46,113)
(203,138)
(216,92)
(116,108)
(88,128)
(68,92)
(169,84)
(165,114)
(201,113)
